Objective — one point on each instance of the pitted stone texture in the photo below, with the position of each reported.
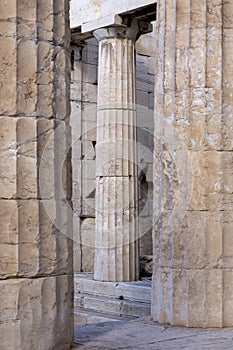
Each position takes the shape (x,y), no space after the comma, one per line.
(193,165)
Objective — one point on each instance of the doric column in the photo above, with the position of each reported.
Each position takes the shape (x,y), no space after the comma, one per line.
(36,282)
(116,252)
(193,240)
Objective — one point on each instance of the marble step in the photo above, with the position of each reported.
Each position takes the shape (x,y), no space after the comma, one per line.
(112,306)
(87,317)
(137,291)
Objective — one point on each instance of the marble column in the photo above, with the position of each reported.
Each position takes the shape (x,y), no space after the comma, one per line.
(193,210)
(116,243)
(36,282)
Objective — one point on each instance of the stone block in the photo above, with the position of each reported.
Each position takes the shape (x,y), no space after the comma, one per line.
(26,137)
(45,20)
(89,93)
(27,84)
(48,239)
(8,76)
(75,122)
(97,304)
(27,18)
(27,177)
(92,53)
(76,72)
(88,244)
(137,291)
(142,98)
(89,112)
(90,73)
(135,309)
(61,64)
(45,100)
(60,28)
(8,157)
(145,117)
(86,283)
(45,62)
(41,315)
(8,11)
(227,12)
(29,236)
(75,91)
(46,158)
(7,28)
(227,297)
(8,238)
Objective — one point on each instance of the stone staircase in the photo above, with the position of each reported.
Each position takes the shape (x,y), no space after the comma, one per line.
(109,301)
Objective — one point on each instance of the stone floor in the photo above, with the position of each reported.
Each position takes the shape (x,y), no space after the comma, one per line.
(143,334)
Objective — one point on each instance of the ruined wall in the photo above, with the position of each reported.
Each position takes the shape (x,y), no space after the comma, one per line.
(83,119)
(35,229)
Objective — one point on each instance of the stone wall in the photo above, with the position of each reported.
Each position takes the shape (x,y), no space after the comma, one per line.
(35,229)
(83,118)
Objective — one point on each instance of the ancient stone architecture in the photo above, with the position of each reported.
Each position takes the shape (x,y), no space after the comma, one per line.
(133,145)
(193,165)
(36,280)
(145,76)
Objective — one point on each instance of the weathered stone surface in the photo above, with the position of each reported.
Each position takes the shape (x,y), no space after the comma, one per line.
(145,334)
(8,72)
(88,244)
(35,229)
(33,305)
(193,166)
(92,10)
(27,85)
(83,119)
(116,243)
(8,159)
(9,238)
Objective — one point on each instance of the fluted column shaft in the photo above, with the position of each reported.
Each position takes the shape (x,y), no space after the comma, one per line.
(116,254)
(36,275)
(193,216)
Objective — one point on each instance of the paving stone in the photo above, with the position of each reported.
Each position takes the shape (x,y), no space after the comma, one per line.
(144,334)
